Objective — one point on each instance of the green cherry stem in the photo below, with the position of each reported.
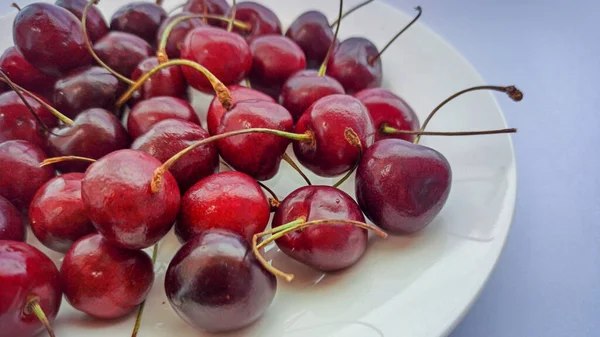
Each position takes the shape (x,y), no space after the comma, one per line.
(33,307)
(350,11)
(353,139)
(296,168)
(386,129)
(323,67)
(232,18)
(138,319)
(374,58)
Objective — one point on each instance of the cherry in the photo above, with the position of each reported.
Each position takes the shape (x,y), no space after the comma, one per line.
(59,230)
(227,200)
(216,7)
(96,24)
(388,109)
(148,112)
(311,31)
(274,59)
(262,20)
(103,280)
(31,290)
(178,32)
(118,199)
(11,223)
(327,121)
(139,18)
(169,136)
(24,74)
(122,52)
(50,38)
(21,174)
(37,103)
(16,122)
(216,284)
(224,54)
(167,82)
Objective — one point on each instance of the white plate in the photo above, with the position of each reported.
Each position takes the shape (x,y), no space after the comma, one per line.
(404,286)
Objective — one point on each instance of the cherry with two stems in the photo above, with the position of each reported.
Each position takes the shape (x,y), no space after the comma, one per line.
(12,226)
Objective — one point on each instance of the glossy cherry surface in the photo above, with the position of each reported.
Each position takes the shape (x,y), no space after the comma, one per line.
(216,284)
(355,66)
(166,82)
(178,32)
(262,20)
(24,74)
(17,123)
(402,186)
(215,7)
(12,226)
(11,99)
(324,247)
(227,200)
(26,274)
(117,196)
(58,230)
(153,110)
(167,137)
(50,38)
(139,18)
(95,22)
(122,52)
(311,31)
(103,280)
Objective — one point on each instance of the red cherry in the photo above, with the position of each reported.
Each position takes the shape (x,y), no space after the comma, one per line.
(103,280)
(118,199)
(24,74)
(166,82)
(178,32)
(122,52)
(59,230)
(10,99)
(311,31)
(215,7)
(354,65)
(139,18)
(12,226)
(50,38)
(151,111)
(96,24)
(227,200)
(261,19)
(17,123)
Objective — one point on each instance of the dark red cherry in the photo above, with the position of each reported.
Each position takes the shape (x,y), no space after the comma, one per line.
(387,108)
(12,226)
(122,52)
(238,94)
(178,33)
(103,280)
(21,174)
(119,200)
(167,137)
(94,133)
(216,284)
(304,88)
(331,154)
(27,277)
(11,98)
(85,88)
(311,31)
(274,59)
(227,200)
(224,54)
(24,74)
(215,7)
(56,213)
(95,22)
(139,18)
(324,247)
(17,122)
(256,154)
(261,19)
(402,186)
(355,66)
(168,81)
(151,111)
(50,38)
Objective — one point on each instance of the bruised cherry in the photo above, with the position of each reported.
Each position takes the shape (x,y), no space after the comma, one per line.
(96,24)
(148,112)
(312,33)
(12,226)
(122,52)
(24,74)
(178,32)
(168,81)
(139,18)
(215,7)
(262,20)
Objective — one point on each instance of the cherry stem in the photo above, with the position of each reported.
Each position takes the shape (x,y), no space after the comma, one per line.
(176,8)
(353,139)
(295,225)
(323,67)
(138,319)
(14,4)
(54,160)
(248,84)
(33,307)
(13,87)
(297,168)
(159,2)
(160,171)
(223,94)
(374,58)
(233,10)
(350,11)
(514,93)
(161,54)
(270,191)
(386,129)
(88,44)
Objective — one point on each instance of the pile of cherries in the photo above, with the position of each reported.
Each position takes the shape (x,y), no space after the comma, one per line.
(102,154)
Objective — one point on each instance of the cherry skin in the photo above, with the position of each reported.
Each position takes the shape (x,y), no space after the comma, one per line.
(17,122)
(178,33)
(10,99)
(274,59)
(216,284)
(103,280)
(402,186)
(228,200)
(354,65)
(24,74)
(224,54)
(261,19)
(166,82)
(12,226)
(385,107)
(26,275)
(21,174)
(153,110)
(122,52)
(59,230)
(95,22)
(304,88)
(139,18)
(215,7)
(324,247)
(94,133)
(327,119)
(256,154)
(118,199)
(311,31)
(238,94)
(50,38)
(85,88)
(167,137)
